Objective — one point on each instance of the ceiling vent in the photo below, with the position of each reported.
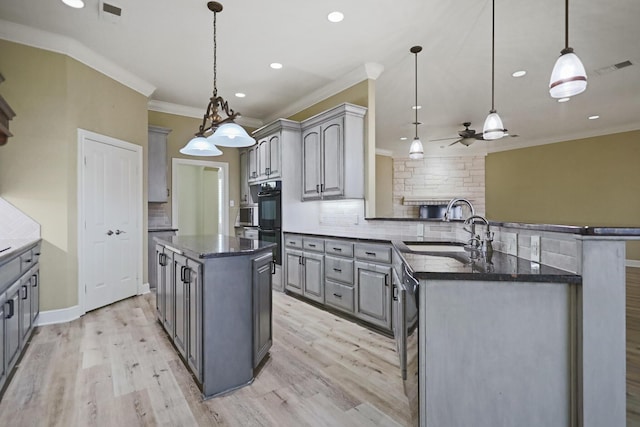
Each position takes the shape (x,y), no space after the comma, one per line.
(110,12)
(606,70)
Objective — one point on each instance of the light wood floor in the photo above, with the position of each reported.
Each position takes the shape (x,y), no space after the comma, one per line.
(115,367)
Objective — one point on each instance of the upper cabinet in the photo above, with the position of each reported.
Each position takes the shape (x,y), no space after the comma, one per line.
(158,190)
(331,141)
(264,160)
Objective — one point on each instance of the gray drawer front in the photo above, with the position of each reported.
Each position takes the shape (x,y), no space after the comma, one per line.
(293,241)
(9,272)
(340,269)
(315,245)
(338,296)
(375,253)
(336,247)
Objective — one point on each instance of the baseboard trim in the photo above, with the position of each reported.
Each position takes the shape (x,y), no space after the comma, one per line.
(633,263)
(144,289)
(63,315)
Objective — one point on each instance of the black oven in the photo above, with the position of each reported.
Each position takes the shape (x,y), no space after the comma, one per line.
(270,216)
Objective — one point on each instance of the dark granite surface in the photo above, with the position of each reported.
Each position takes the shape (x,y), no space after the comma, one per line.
(159,229)
(471,265)
(214,246)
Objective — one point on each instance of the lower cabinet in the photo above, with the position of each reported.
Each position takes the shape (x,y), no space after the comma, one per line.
(262,307)
(293,267)
(12,323)
(305,274)
(339,296)
(373,293)
(165,288)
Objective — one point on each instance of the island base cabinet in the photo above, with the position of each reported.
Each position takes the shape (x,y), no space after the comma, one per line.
(373,293)
(262,307)
(188,303)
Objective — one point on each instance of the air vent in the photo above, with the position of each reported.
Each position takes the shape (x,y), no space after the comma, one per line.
(109,8)
(606,70)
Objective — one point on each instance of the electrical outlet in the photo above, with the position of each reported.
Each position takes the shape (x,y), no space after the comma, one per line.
(535,248)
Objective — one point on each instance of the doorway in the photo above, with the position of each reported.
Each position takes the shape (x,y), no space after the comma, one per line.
(109,220)
(200,196)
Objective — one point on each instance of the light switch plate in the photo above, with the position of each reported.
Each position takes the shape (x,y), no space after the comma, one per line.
(232,203)
(535,248)
(420,229)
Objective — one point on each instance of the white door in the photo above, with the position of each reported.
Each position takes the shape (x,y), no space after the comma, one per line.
(110,198)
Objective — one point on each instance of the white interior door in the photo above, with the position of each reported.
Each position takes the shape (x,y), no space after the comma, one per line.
(110,206)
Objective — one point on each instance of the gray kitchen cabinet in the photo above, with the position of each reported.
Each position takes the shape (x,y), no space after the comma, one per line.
(252,164)
(331,141)
(193,283)
(251,233)
(274,139)
(3,361)
(262,307)
(313,283)
(25,308)
(269,158)
(157,163)
(180,300)
(34,283)
(245,193)
(12,323)
(165,290)
(293,266)
(373,293)
(152,259)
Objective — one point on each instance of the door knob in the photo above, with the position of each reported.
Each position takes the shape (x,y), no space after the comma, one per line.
(109,233)
(119,232)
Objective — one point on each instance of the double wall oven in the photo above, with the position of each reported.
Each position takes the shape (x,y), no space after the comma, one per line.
(270,216)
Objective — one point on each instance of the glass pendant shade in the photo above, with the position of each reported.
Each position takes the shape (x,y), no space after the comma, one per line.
(568,77)
(493,127)
(416,151)
(200,146)
(231,135)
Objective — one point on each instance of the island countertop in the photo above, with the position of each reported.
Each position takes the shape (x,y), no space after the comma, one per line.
(213,246)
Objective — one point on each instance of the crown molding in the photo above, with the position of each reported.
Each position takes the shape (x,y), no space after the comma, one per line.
(382,152)
(353,77)
(517,143)
(40,39)
(196,113)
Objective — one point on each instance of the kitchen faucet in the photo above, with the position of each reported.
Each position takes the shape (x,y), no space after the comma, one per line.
(453,201)
(476,242)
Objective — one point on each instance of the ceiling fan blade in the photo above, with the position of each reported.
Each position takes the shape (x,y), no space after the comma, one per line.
(455,142)
(443,139)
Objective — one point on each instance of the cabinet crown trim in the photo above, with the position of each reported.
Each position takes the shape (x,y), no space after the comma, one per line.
(159,129)
(276,126)
(339,110)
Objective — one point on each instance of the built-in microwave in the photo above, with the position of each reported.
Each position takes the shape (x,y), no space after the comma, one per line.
(248,216)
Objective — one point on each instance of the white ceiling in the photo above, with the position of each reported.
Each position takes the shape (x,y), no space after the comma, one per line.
(169,45)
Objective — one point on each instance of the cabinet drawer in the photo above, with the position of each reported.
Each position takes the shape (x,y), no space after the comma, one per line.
(293,241)
(26,260)
(9,272)
(337,247)
(375,253)
(338,296)
(316,245)
(340,269)
(251,233)
(35,253)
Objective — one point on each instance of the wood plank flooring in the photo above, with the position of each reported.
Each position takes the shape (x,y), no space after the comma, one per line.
(116,367)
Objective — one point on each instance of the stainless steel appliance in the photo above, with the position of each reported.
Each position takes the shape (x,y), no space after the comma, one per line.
(248,216)
(270,216)
(408,299)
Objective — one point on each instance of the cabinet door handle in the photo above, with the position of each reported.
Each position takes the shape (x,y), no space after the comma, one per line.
(338,270)
(11,309)
(337,295)
(273,267)
(322,188)
(26,290)
(267,171)
(337,249)
(182,273)
(311,245)
(35,280)
(37,254)
(370,253)
(187,275)
(27,260)
(300,260)
(318,188)
(395,293)
(386,280)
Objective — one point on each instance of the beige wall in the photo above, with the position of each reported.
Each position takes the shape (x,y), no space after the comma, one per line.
(592,181)
(54,95)
(182,130)
(356,94)
(384,187)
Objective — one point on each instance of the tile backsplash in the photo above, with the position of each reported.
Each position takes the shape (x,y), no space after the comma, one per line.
(15,224)
(158,217)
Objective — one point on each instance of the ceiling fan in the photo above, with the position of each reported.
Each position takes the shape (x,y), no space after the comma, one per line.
(466,136)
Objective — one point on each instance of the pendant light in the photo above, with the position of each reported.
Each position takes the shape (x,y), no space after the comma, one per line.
(221,131)
(568,77)
(416,151)
(493,127)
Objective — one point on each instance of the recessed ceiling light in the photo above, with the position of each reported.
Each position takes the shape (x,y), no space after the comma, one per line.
(240,95)
(404,138)
(276,65)
(594,117)
(76,4)
(416,107)
(519,73)
(335,16)
(563,99)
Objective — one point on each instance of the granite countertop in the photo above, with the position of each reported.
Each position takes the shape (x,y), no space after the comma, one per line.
(15,245)
(498,267)
(213,246)
(158,229)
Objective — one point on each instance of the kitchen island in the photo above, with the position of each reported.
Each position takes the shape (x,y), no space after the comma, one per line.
(214,302)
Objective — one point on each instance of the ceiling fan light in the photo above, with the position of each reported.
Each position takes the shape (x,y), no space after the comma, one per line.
(416,151)
(493,127)
(568,77)
(200,146)
(231,135)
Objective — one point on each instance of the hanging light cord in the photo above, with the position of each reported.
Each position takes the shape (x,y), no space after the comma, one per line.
(415,106)
(215,57)
(493,54)
(566,24)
